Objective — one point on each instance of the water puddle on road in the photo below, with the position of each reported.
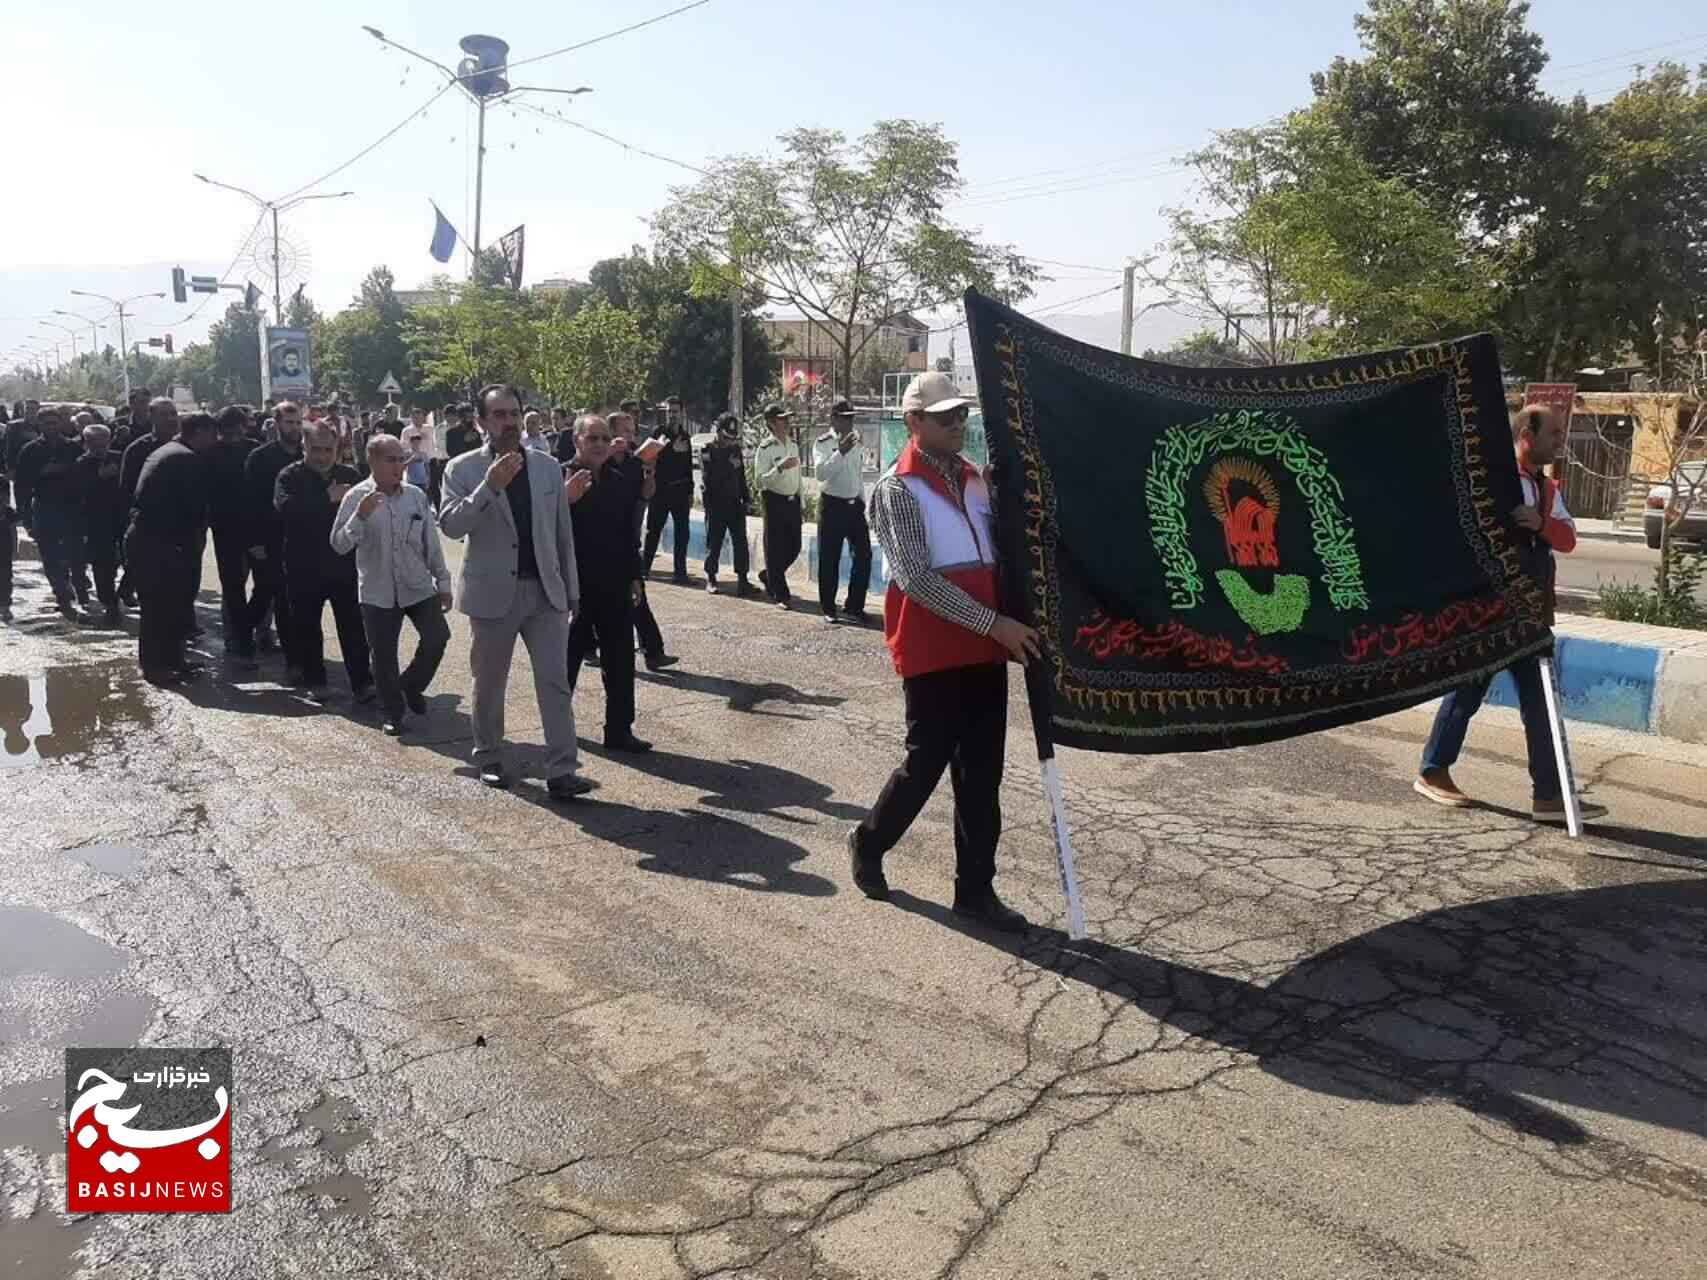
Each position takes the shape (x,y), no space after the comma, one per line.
(32,1118)
(120,861)
(339,1126)
(34,942)
(66,712)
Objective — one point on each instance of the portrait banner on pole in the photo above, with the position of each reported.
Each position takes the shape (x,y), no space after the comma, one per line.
(1217,557)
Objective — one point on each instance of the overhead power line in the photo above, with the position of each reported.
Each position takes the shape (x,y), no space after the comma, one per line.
(609,35)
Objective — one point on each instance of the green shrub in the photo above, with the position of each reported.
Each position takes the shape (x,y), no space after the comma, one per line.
(1674,605)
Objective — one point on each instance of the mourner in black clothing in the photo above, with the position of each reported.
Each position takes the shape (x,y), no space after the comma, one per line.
(266,529)
(47,481)
(623,426)
(157,424)
(306,496)
(104,513)
(723,470)
(20,431)
(673,496)
(602,497)
(163,548)
(230,518)
(8,547)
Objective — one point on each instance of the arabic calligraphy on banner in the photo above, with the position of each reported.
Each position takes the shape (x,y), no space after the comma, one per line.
(1223,556)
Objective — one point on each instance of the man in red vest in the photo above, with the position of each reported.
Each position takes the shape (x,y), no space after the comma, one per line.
(932,516)
(1544,526)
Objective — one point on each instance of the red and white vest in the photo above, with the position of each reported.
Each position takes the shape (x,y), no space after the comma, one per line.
(960,532)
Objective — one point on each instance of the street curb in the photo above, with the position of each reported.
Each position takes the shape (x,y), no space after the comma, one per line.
(1620,674)
(1613,535)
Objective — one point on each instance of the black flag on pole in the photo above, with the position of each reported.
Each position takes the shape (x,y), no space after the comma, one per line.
(1227,556)
(511,245)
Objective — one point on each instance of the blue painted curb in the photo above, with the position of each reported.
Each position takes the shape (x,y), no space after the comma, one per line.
(1601,681)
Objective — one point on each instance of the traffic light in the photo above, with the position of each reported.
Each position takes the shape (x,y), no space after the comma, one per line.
(179,292)
(168,344)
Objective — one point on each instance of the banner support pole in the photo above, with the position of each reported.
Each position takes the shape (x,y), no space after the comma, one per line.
(1063,846)
(1561,750)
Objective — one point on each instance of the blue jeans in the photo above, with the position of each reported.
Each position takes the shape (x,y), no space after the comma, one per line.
(1452,723)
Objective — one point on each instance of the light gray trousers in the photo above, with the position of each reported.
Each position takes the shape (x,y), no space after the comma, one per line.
(545,632)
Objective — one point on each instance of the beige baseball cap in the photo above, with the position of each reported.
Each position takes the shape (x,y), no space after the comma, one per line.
(933,393)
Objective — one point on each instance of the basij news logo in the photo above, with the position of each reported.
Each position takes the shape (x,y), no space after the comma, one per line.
(148,1130)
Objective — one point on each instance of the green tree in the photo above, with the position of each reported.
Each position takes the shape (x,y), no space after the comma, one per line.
(690,332)
(477,335)
(366,341)
(1447,99)
(592,358)
(1203,350)
(850,234)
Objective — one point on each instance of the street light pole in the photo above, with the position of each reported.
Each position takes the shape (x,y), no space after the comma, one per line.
(94,325)
(479,181)
(274,208)
(72,333)
(119,305)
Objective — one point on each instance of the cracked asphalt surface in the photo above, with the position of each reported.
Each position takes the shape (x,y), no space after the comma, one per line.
(1322,1029)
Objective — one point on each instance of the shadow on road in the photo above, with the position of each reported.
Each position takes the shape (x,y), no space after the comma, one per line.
(744,786)
(1595,1000)
(744,695)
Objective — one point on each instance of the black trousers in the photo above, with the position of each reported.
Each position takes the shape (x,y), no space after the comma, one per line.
(165,575)
(5,573)
(384,628)
(605,621)
(669,504)
(958,720)
(718,522)
(101,550)
(309,593)
(843,520)
(236,609)
(270,593)
(782,542)
(646,628)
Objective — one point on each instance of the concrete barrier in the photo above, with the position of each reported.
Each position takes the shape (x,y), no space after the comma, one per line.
(1620,674)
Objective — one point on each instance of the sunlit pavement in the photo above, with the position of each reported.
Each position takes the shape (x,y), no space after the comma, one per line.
(1323,1029)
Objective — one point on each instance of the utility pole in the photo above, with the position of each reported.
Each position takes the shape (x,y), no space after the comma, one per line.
(71,333)
(119,305)
(274,207)
(94,326)
(1126,289)
(737,393)
(482,75)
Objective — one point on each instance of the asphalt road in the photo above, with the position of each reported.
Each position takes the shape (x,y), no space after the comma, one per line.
(1322,1029)
(1598,561)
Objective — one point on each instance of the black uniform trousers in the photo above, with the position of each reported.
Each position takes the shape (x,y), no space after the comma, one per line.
(309,593)
(646,628)
(782,542)
(669,504)
(102,550)
(843,520)
(270,593)
(236,609)
(718,522)
(958,720)
(165,574)
(604,620)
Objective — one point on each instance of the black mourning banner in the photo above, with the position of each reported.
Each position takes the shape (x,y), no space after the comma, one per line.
(1227,556)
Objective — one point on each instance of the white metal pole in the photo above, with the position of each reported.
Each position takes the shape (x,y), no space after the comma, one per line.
(1064,849)
(479,185)
(1561,750)
(278,303)
(124,352)
(1126,290)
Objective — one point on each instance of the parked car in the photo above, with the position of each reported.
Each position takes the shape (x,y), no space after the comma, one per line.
(1693,526)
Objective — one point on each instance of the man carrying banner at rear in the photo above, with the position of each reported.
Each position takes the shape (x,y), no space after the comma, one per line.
(932,514)
(1544,526)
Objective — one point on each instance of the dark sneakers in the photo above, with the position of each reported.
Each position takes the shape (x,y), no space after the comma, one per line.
(416,701)
(658,661)
(567,786)
(987,909)
(626,742)
(493,775)
(867,871)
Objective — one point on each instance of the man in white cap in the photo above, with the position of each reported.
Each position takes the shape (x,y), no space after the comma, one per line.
(932,515)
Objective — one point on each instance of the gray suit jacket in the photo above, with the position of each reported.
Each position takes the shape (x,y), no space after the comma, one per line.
(486,585)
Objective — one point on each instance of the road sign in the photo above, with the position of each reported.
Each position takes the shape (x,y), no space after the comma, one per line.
(391,386)
(205,284)
(1560,397)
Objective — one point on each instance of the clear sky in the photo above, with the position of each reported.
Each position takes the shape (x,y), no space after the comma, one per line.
(1069,115)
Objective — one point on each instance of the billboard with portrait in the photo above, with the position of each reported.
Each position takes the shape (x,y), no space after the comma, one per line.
(289,371)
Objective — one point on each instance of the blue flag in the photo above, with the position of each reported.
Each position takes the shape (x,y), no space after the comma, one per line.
(444,237)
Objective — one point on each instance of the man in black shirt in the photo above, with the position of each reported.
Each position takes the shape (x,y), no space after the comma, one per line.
(104,513)
(602,497)
(20,431)
(157,424)
(266,531)
(46,483)
(163,548)
(724,473)
(306,496)
(674,494)
(228,513)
